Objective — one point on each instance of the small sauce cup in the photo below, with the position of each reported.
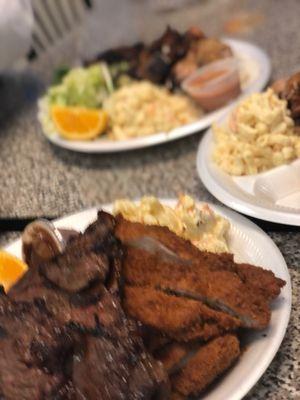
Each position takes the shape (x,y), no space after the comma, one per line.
(215,84)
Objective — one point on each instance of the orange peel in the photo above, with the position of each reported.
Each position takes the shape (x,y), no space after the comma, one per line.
(78,123)
(11,269)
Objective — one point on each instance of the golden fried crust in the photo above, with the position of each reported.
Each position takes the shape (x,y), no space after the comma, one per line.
(257,279)
(179,318)
(220,289)
(211,360)
(261,280)
(172,355)
(128,231)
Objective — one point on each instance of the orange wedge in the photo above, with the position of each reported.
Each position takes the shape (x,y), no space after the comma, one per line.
(11,269)
(78,123)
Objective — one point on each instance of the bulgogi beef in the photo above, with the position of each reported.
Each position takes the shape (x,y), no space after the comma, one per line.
(64,335)
(34,350)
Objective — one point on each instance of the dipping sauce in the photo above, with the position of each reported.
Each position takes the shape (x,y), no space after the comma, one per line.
(214,85)
(203,79)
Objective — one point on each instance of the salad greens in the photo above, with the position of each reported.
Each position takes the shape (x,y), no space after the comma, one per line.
(59,73)
(86,87)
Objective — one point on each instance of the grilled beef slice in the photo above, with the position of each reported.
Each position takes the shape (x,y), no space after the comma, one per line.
(65,335)
(115,356)
(34,349)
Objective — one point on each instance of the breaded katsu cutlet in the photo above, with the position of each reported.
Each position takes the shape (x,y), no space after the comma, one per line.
(179,268)
(209,361)
(260,279)
(193,366)
(179,318)
(220,290)
(195,300)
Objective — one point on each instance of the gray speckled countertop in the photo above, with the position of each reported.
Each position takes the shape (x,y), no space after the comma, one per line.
(37,178)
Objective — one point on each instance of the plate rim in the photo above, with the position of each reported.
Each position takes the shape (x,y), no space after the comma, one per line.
(226,197)
(240,221)
(110,146)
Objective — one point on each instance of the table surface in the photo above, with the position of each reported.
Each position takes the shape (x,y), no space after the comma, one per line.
(39,179)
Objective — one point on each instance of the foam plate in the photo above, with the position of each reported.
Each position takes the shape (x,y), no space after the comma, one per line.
(249,244)
(255,68)
(271,196)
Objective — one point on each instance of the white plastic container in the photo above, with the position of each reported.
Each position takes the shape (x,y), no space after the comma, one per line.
(215,84)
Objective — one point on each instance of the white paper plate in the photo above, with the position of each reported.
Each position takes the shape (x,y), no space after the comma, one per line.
(254,62)
(249,244)
(239,192)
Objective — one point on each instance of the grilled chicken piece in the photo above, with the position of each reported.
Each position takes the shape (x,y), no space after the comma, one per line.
(179,318)
(209,362)
(154,61)
(201,52)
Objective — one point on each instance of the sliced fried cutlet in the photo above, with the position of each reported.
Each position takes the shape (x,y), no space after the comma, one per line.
(179,318)
(174,356)
(220,290)
(261,280)
(257,279)
(128,231)
(210,361)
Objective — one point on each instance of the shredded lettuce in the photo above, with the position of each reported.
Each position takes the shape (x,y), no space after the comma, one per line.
(86,87)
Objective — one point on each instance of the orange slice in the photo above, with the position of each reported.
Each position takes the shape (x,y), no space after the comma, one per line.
(78,123)
(11,269)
